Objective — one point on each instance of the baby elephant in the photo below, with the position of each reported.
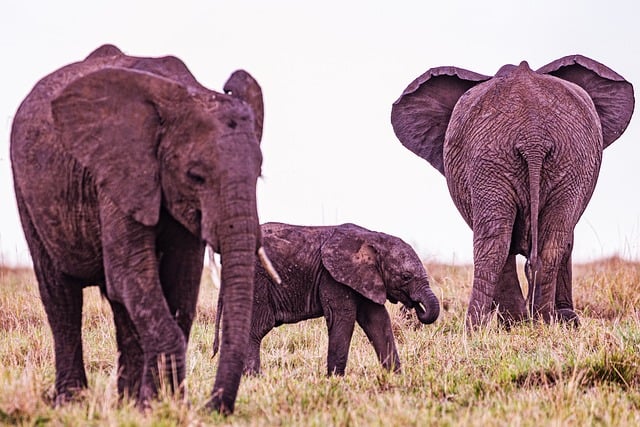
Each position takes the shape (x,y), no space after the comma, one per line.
(344,273)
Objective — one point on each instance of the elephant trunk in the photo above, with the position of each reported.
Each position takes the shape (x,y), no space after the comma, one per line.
(239,238)
(426,304)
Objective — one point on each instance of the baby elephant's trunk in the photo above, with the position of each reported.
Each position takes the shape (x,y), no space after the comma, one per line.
(426,304)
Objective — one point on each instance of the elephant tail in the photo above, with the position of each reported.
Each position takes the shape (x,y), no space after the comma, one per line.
(534,155)
(216,339)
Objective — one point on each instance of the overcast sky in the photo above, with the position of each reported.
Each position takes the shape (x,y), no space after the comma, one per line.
(329,72)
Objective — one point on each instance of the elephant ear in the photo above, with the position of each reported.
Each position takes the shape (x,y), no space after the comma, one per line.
(421,115)
(109,121)
(243,86)
(612,95)
(351,258)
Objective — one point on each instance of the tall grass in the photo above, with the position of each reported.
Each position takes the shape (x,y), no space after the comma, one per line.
(531,375)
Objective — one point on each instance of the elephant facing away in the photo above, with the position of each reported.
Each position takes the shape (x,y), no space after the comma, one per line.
(344,273)
(124,168)
(521,152)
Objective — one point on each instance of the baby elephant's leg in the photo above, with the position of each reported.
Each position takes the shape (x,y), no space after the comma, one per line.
(262,322)
(339,305)
(374,320)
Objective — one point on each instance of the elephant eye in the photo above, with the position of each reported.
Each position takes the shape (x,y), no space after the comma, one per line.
(195,177)
(406,276)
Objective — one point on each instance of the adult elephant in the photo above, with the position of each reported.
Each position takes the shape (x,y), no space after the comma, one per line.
(521,152)
(124,168)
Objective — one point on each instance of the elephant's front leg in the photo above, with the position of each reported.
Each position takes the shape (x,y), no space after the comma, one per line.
(131,270)
(374,320)
(339,305)
(508,295)
(131,357)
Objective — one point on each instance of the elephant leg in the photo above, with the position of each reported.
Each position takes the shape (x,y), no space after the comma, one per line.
(131,356)
(62,300)
(491,244)
(262,322)
(339,305)
(564,296)
(508,297)
(182,257)
(131,270)
(374,320)
(543,277)
(252,361)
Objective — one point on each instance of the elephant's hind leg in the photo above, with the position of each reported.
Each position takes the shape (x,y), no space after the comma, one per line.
(543,280)
(180,271)
(62,299)
(508,297)
(491,244)
(564,295)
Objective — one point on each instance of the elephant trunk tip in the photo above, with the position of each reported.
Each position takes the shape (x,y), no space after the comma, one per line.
(427,314)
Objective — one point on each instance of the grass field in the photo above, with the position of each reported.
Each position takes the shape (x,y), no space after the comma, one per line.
(531,376)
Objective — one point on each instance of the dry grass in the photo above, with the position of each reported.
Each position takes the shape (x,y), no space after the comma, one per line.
(532,375)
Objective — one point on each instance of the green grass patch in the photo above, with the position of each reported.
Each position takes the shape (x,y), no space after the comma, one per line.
(529,376)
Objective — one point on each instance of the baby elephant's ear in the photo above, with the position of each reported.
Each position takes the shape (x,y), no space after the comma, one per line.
(353,261)
(421,115)
(612,95)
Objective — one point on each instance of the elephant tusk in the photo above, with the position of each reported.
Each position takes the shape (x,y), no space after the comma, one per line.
(266,263)
(422,307)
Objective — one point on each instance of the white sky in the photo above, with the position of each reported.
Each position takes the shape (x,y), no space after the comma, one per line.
(330,71)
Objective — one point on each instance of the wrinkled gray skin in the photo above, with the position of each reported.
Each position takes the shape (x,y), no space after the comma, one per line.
(521,152)
(344,273)
(124,168)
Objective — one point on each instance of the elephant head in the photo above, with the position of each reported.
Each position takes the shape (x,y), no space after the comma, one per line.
(191,152)
(380,267)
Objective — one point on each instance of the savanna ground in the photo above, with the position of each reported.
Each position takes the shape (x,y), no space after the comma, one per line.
(532,375)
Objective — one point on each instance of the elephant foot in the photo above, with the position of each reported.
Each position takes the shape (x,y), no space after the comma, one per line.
(68,395)
(69,390)
(476,320)
(567,317)
(162,374)
(219,404)
(508,320)
(251,371)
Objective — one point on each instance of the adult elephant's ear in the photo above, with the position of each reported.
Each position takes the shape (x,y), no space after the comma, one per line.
(109,121)
(352,260)
(243,86)
(612,95)
(421,115)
